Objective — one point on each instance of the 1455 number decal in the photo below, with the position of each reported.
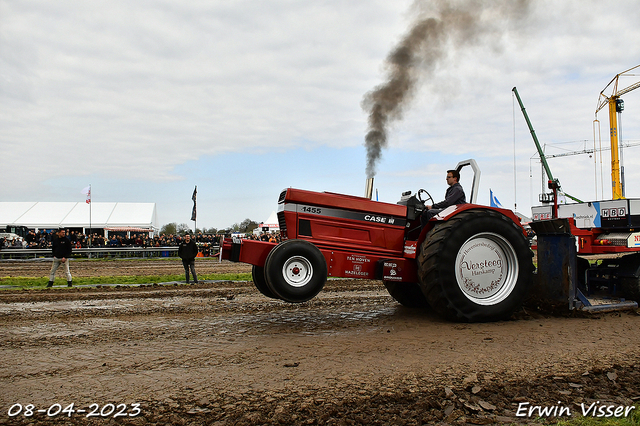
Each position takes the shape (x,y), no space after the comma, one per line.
(312,210)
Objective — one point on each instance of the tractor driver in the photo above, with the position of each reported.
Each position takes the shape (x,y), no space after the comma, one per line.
(454,195)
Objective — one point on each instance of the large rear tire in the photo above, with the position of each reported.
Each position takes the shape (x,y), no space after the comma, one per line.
(257,273)
(295,271)
(407,294)
(630,281)
(475,267)
(631,288)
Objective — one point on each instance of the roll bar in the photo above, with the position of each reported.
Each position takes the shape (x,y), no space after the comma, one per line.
(476,177)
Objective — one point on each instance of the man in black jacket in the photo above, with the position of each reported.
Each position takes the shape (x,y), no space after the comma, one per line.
(187,250)
(61,249)
(454,195)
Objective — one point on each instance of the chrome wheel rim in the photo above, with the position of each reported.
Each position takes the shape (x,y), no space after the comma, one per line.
(297,271)
(486,269)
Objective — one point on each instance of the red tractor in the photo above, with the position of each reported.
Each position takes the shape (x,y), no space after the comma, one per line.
(469,263)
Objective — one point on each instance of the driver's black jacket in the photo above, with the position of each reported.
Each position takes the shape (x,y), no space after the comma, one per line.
(454,195)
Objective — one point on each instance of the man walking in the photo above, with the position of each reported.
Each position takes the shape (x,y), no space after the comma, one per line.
(61,249)
(187,250)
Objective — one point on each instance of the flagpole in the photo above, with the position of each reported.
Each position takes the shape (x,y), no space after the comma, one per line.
(193,211)
(90,226)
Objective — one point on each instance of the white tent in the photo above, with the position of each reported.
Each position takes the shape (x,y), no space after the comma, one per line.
(270,225)
(52,215)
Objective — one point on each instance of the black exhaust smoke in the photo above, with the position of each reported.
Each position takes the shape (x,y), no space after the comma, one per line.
(441,25)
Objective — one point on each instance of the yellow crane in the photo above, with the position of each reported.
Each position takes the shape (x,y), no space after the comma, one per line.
(616,105)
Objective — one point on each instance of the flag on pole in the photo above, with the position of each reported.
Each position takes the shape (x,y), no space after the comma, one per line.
(193,197)
(87,191)
(494,200)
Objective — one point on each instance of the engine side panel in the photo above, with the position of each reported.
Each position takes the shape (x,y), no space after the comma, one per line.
(342,222)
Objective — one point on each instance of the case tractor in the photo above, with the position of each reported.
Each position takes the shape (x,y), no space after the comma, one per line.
(469,263)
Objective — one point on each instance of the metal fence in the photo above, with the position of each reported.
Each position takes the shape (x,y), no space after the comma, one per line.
(98,252)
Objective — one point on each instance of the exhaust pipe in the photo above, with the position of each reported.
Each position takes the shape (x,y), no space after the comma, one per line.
(368,188)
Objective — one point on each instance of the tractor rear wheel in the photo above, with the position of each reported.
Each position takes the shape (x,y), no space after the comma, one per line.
(631,288)
(407,294)
(257,273)
(295,271)
(475,267)
(630,281)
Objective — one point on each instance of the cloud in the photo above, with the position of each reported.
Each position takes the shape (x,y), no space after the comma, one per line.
(178,81)
(134,91)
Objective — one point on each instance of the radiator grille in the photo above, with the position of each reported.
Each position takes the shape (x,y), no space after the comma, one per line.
(283,225)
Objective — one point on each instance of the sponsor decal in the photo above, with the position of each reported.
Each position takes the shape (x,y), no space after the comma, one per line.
(346,214)
(616,212)
(357,272)
(410,249)
(481,268)
(542,216)
(391,272)
(358,263)
(356,258)
(583,216)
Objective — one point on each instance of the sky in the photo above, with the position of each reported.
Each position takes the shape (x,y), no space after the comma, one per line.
(145,100)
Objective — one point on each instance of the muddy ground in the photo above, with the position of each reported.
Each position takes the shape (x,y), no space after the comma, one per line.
(220,353)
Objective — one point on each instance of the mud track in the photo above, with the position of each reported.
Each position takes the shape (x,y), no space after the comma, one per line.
(220,353)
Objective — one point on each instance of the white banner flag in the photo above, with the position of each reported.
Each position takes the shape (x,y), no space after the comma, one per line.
(87,191)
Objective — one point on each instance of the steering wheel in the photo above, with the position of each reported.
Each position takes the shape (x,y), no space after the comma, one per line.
(429,197)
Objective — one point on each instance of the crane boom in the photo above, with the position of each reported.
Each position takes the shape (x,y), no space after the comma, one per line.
(615,106)
(585,151)
(554,184)
(604,100)
(535,139)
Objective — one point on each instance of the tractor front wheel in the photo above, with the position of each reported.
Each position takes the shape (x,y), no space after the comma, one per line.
(295,271)
(257,273)
(475,267)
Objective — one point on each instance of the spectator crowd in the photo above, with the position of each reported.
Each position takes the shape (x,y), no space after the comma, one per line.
(42,239)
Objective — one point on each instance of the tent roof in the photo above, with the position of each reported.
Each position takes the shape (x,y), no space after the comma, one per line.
(272,221)
(78,215)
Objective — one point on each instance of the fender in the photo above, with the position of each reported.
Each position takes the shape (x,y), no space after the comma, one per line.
(454,210)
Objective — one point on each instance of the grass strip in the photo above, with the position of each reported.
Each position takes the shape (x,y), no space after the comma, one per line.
(30,282)
(632,420)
